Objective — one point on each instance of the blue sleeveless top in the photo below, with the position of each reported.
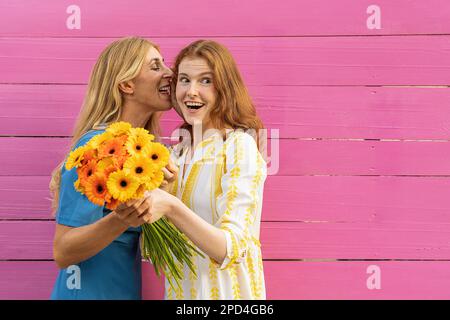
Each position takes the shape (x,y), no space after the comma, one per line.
(113,273)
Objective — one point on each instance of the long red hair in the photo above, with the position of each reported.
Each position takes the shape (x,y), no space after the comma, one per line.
(234,107)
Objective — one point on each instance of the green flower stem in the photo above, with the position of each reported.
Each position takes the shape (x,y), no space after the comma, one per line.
(162,241)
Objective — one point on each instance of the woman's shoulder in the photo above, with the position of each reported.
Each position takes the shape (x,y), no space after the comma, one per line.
(242,146)
(88,136)
(240,137)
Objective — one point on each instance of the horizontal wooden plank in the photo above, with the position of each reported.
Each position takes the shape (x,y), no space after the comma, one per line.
(289,280)
(27,280)
(364,199)
(208,18)
(289,198)
(24,197)
(38,157)
(396,60)
(345,157)
(18,155)
(297,112)
(294,280)
(280,240)
(337,240)
(34,280)
(34,240)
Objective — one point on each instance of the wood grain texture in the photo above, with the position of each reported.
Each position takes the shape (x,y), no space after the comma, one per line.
(38,156)
(289,280)
(289,198)
(250,18)
(296,111)
(280,240)
(276,61)
(363,116)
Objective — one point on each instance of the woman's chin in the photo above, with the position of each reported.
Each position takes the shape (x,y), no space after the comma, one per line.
(162,106)
(168,107)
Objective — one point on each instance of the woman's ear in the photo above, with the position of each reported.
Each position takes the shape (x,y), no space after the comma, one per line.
(126,87)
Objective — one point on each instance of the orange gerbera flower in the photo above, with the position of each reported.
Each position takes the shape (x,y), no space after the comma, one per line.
(87,170)
(89,154)
(112,204)
(113,147)
(123,139)
(108,170)
(96,189)
(120,161)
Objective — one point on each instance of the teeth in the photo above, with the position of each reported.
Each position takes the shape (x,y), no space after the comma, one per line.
(165,88)
(194,104)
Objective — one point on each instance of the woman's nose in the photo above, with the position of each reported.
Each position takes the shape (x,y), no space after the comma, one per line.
(192,90)
(168,73)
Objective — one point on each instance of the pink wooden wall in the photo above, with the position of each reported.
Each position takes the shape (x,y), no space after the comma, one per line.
(359,208)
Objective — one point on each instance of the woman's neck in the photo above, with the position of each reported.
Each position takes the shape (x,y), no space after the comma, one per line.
(200,132)
(134,114)
(203,132)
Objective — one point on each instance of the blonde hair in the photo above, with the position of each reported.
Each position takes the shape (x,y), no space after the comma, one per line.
(121,61)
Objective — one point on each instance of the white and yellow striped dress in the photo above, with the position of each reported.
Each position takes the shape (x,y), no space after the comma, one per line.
(224,184)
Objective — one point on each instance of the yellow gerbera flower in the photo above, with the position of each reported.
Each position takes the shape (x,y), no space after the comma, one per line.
(96,189)
(139,141)
(159,155)
(78,186)
(122,186)
(119,128)
(140,167)
(99,139)
(141,132)
(75,158)
(155,181)
(140,191)
(105,163)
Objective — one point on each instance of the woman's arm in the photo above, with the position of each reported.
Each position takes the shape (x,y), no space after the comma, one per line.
(225,242)
(210,239)
(73,245)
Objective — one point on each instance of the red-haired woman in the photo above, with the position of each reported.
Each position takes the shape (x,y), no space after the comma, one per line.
(217,197)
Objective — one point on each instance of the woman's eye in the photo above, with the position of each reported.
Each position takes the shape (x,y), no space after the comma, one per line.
(206,80)
(183,80)
(156,68)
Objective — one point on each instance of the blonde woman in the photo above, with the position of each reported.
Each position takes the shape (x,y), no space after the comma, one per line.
(98,250)
(217,198)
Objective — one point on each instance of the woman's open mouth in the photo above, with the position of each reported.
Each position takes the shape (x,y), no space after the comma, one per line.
(192,105)
(165,90)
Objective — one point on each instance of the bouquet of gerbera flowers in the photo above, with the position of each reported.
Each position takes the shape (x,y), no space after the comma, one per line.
(119,165)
